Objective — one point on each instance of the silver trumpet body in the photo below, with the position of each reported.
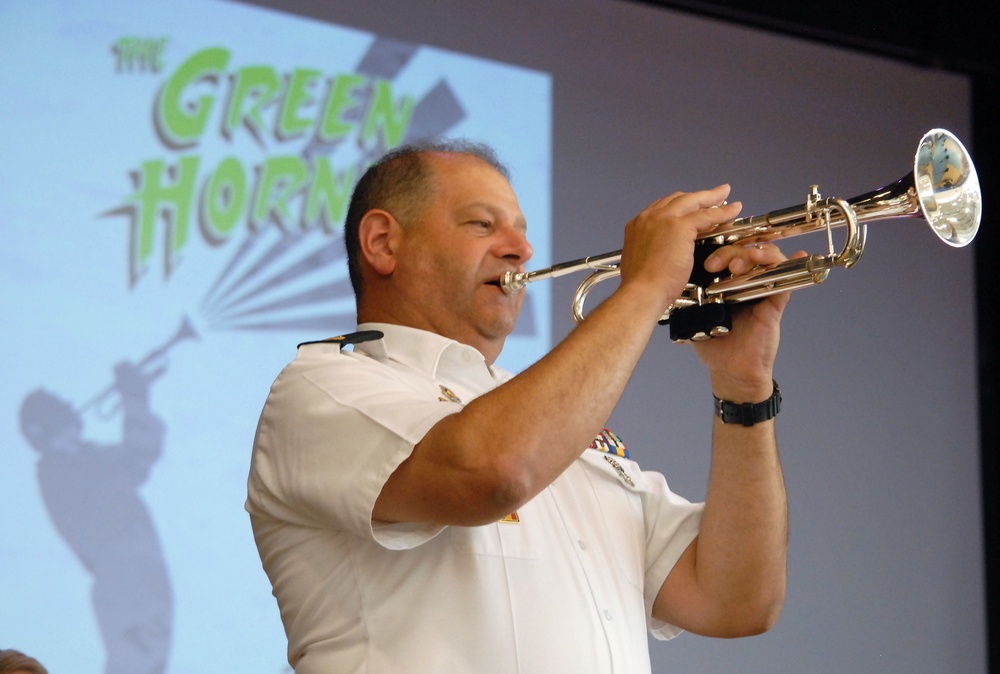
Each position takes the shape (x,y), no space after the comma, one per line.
(943,189)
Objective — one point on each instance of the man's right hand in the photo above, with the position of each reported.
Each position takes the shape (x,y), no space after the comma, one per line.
(658,251)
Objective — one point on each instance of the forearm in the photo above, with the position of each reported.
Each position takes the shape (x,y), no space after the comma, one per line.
(742,547)
(730,582)
(509,444)
(740,561)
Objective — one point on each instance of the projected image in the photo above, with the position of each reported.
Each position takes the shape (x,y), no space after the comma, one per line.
(174,192)
(91,493)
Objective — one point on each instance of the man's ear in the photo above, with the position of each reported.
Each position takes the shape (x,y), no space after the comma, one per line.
(378,232)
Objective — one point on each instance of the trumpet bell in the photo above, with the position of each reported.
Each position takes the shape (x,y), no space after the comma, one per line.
(948,188)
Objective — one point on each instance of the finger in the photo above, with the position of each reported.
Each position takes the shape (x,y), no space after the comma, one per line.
(740,259)
(682,203)
(705,218)
(715,215)
(764,254)
(713,198)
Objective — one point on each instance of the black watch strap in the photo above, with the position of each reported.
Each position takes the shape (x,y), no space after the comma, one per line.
(749,414)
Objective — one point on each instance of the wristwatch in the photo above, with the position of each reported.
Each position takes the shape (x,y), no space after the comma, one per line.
(749,414)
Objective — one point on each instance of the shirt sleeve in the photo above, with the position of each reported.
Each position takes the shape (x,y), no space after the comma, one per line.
(671,524)
(328,439)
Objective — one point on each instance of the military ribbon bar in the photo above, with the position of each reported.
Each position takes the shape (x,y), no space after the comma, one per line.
(607,441)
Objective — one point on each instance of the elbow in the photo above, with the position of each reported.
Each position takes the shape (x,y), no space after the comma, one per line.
(770,606)
(498,493)
(757,615)
(762,620)
(747,614)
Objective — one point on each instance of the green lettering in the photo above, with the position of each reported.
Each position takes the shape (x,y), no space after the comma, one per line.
(382,114)
(340,99)
(257,84)
(166,192)
(139,54)
(326,202)
(281,178)
(223,200)
(182,123)
(296,95)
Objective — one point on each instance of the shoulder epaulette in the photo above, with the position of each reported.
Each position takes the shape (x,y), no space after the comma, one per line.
(350,338)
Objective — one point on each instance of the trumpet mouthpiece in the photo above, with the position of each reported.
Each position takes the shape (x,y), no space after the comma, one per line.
(513,281)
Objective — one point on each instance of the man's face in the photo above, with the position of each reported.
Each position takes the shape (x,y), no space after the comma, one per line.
(452,256)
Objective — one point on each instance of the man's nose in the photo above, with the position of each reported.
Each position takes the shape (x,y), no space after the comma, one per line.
(515,245)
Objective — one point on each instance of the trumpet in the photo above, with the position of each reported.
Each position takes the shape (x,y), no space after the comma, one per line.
(156,356)
(943,189)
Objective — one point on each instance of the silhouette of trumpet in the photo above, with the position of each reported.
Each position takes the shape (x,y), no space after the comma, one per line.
(184,332)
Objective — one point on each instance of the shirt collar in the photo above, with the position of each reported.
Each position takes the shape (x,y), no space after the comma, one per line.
(427,352)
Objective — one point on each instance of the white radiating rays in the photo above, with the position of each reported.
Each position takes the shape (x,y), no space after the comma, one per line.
(279,281)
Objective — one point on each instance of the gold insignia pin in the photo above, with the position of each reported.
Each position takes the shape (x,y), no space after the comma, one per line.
(449,395)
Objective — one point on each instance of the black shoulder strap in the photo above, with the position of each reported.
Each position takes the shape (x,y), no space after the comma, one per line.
(351,338)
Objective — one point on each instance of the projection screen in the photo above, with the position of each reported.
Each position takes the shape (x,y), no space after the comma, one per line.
(174,178)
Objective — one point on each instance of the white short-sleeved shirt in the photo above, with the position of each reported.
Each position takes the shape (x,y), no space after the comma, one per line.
(564,585)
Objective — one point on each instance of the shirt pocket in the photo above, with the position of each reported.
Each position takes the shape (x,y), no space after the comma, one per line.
(618,507)
(511,538)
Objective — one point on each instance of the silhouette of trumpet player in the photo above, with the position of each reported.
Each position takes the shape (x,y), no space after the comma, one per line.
(91,493)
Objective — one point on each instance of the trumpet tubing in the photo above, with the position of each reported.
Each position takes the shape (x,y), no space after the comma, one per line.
(942,188)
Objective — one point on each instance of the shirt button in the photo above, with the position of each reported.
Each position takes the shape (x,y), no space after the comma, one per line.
(582,544)
(607,615)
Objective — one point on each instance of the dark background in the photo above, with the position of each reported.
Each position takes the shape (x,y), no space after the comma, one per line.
(957,38)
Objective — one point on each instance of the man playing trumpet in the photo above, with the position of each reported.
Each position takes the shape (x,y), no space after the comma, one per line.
(418,509)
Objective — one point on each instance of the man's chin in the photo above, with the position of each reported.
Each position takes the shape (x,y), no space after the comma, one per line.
(502,326)
(495,333)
